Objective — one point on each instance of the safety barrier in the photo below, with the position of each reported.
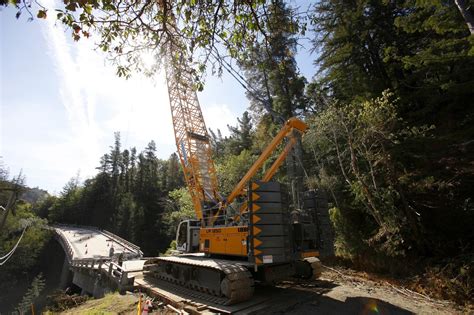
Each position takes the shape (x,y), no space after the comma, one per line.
(111,270)
(124,241)
(117,238)
(103,267)
(64,243)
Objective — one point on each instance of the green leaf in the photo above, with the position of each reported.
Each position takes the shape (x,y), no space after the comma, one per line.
(71,6)
(41,14)
(88,9)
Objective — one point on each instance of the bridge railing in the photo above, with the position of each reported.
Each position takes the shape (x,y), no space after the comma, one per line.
(88,227)
(129,244)
(132,246)
(105,266)
(62,239)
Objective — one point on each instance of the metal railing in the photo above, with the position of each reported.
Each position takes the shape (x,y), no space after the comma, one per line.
(104,265)
(124,241)
(117,238)
(66,245)
(111,270)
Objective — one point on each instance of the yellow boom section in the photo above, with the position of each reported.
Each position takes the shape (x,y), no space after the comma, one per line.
(192,139)
(292,128)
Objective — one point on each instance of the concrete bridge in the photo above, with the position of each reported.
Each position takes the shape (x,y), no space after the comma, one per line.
(97,261)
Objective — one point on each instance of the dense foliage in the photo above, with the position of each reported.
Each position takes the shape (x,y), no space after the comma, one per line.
(390,112)
(33,292)
(18,221)
(397,166)
(22,239)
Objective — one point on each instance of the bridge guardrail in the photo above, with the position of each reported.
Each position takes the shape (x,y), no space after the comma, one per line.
(108,233)
(89,227)
(104,265)
(64,243)
(113,271)
(133,246)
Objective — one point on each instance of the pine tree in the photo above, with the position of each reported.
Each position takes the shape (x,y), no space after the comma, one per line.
(34,291)
(241,136)
(418,49)
(217,143)
(124,172)
(175,177)
(271,70)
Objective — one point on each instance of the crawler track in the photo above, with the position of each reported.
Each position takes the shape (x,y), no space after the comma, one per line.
(218,281)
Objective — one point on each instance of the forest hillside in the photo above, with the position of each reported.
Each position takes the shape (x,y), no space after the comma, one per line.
(391,140)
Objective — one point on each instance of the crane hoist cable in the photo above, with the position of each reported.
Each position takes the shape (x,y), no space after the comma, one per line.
(246,85)
(6,257)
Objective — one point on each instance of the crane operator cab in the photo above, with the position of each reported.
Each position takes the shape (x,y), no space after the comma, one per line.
(187,236)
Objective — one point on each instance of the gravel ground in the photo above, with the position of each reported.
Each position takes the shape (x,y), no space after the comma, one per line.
(336,292)
(343,292)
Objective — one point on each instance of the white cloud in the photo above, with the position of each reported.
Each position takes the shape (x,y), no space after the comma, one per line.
(218,116)
(99,103)
(68,129)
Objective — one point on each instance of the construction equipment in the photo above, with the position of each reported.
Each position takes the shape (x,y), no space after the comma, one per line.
(249,236)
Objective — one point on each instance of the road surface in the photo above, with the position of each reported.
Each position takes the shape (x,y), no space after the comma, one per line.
(89,243)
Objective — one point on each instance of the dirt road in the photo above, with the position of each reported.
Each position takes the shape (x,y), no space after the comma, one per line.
(336,292)
(339,293)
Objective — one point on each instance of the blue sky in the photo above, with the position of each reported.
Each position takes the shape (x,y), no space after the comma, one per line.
(61,102)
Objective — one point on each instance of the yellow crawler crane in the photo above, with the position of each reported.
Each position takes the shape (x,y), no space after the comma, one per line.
(250,235)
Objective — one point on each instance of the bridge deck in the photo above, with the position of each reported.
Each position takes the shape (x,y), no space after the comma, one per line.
(89,243)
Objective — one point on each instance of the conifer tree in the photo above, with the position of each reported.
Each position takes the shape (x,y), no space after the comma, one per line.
(271,70)
(34,291)
(241,136)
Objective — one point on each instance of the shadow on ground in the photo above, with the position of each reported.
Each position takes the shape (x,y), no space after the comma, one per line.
(298,297)
(308,298)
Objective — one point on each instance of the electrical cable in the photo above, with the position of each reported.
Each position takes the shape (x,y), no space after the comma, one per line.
(245,84)
(14,247)
(3,262)
(10,253)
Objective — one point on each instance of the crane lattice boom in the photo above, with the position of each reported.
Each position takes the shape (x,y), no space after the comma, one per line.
(192,138)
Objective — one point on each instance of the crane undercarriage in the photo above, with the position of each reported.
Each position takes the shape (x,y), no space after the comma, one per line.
(222,281)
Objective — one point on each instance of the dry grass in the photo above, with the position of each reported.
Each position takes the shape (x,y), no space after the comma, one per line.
(110,304)
(449,279)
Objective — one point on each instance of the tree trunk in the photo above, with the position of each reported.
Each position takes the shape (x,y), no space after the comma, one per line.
(365,188)
(299,171)
(466,14)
